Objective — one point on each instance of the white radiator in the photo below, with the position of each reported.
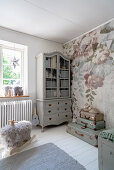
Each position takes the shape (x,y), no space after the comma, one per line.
(15,110)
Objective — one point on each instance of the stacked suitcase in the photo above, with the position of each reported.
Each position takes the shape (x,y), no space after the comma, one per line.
(88,126)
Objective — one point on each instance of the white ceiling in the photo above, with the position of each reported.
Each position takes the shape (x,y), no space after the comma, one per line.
(57,20)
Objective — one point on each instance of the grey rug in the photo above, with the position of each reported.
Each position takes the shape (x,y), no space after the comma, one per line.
(45,157)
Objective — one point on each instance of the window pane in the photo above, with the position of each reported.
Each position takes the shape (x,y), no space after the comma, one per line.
(8,56)
(10,73)
(9,82)
(7,59)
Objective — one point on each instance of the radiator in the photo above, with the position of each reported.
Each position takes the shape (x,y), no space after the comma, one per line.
(15,110)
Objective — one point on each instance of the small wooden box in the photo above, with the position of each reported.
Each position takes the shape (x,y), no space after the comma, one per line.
(92,116)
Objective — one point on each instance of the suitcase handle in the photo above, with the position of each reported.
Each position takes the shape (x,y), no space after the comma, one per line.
(80,134)
(84,123)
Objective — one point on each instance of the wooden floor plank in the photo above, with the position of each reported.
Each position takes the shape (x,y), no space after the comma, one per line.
(92,165)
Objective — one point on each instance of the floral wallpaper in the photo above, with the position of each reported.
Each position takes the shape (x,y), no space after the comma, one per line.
(92,68)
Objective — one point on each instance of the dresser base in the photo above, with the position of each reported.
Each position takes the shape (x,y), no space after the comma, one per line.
(54,112)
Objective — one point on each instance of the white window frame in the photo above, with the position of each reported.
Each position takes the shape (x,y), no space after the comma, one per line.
(23,59)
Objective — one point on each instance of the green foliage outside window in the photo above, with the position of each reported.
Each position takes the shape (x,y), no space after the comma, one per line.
(9,73)
(8,82)
(7,60)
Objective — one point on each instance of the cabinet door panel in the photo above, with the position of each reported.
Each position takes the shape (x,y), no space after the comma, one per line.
(64,77)
(108,157)
(51,76)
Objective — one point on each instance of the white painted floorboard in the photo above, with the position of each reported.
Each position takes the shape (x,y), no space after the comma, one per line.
(84,153)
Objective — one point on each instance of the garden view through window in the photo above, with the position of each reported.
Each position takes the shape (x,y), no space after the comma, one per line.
(13,66)
(11,73)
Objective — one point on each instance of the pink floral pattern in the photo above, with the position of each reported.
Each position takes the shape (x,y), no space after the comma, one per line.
(83,51)
(93,81)
(92,66)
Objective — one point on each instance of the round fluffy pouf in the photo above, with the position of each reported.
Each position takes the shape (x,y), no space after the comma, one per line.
(16,135)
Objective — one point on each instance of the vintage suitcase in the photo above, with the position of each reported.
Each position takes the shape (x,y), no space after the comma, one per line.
(91,123)
(92,116)
(88,135)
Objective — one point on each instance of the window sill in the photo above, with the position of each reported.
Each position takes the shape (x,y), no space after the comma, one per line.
(13,97)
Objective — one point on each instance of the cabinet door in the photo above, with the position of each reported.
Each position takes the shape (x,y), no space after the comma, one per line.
(50,76)
(64,77)
(107,157)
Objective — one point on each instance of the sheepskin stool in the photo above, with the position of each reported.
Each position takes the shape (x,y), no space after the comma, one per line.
(16,134)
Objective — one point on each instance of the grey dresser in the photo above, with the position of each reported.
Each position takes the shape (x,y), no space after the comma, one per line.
(53,89)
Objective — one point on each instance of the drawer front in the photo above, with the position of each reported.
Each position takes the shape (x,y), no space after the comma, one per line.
(58,110)
(51,111)
(65,109)
(49,119)
(66,115)
(64,103)
(50,105)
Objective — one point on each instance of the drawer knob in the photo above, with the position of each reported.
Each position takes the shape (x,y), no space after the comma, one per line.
(58,102)
(49,104)
(66,115)
(49,111)
(111,153)
(84,123)
(66,103)
(50,118)
(65,108)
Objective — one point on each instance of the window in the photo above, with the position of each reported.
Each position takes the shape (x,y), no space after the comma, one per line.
(11,65)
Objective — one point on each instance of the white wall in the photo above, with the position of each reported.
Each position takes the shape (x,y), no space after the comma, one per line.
(35,46)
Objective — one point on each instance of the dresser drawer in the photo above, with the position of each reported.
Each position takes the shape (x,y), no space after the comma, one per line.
(65,115)
(50,105)
(49,119)
(51,111)
(65,103)
(65,109)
